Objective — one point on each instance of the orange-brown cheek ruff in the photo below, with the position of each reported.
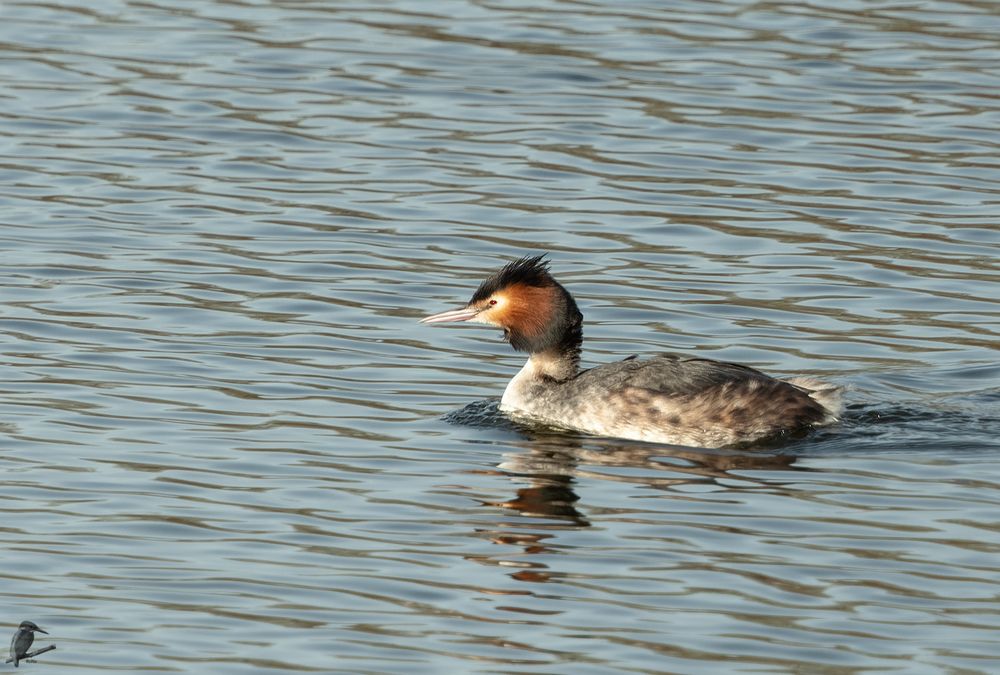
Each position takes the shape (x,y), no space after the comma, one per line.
(524,312)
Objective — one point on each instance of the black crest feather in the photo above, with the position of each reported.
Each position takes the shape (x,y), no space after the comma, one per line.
(530,270)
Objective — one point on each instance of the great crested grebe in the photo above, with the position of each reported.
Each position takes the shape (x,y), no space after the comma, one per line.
(666,398)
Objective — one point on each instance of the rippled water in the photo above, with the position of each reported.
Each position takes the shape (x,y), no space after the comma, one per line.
(228,446)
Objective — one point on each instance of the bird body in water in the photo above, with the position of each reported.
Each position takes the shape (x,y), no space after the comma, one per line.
(22,640)
(665,398)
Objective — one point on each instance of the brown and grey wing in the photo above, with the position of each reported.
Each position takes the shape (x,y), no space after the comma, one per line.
(673,374)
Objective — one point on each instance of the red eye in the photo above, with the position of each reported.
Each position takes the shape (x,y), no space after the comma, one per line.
(492,302)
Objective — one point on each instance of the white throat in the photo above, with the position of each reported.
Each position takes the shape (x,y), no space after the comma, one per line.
(517,395)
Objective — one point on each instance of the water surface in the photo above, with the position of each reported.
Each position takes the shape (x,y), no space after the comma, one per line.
(228,446)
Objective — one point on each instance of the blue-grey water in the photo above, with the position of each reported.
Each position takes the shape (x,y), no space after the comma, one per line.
(228,447)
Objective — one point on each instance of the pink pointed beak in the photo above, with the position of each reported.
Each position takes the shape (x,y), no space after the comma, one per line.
(460,314)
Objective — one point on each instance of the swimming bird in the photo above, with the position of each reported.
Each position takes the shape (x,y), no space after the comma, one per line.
(664,398)
(20,643)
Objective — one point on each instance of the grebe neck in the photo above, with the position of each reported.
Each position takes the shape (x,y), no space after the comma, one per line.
(554,349)
(554,364)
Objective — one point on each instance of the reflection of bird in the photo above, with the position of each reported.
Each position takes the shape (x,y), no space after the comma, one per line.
(667,398)
(21,642)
